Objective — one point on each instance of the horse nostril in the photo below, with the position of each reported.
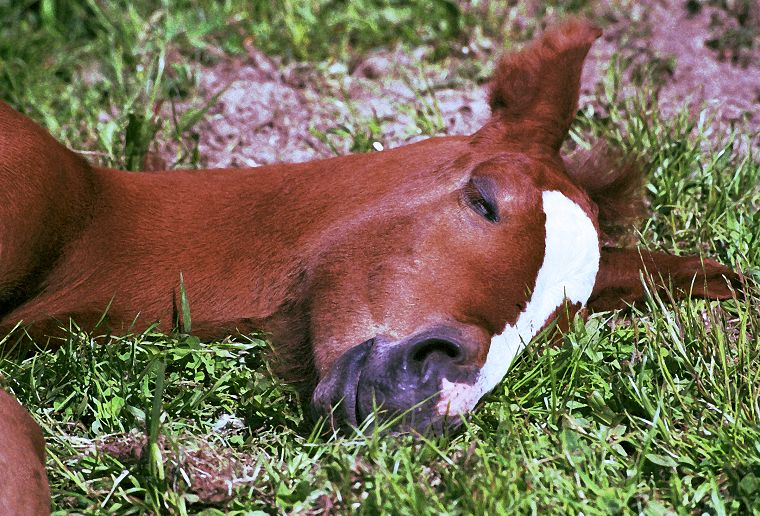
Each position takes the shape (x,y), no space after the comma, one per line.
(425,349)
(413,378)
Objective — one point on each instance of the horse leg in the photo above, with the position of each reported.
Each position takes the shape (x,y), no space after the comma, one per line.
(24,486)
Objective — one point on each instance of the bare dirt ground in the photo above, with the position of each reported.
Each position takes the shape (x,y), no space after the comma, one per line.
(267,112)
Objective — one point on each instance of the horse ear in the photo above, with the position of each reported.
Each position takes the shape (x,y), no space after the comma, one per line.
(618,282)
(534,92)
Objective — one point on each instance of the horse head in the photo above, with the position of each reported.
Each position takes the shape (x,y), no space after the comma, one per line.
(406,279)
(473,245)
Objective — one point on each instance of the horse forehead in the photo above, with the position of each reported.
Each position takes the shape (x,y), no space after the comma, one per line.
(568,272)
(523,177)
(570,263)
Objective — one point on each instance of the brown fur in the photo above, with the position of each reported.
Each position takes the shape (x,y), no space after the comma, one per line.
(23,482)
(617,286)
(535,91)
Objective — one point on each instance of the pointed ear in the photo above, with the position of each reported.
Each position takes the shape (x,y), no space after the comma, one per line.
(618,282)
(534,92)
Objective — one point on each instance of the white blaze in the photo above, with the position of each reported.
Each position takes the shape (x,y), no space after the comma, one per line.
(571,262)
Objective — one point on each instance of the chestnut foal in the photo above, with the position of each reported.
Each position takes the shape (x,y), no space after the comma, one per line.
(404,278)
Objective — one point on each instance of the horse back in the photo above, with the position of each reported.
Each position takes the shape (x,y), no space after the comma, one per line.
(46,191)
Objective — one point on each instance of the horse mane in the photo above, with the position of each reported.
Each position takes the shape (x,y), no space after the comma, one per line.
(614,180)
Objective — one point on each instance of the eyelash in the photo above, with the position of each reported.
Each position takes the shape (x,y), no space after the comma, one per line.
(482,203)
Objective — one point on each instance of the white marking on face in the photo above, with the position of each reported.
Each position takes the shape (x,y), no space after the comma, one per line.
(571,262)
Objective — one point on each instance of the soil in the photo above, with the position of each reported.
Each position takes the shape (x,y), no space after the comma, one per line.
(691,73)
(213,474)
(268,112)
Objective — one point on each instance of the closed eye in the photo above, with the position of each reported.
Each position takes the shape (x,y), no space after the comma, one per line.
(478,195)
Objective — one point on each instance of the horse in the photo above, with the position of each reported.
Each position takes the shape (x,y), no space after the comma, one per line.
(406,279)
(24,488)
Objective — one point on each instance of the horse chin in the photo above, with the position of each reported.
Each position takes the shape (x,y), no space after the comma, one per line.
(335,396)
(377,379)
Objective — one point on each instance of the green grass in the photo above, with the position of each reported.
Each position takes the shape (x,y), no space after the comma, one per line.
(94,73)
(652,412)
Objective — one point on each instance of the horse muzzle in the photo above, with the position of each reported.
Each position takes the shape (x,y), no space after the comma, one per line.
(400,381)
